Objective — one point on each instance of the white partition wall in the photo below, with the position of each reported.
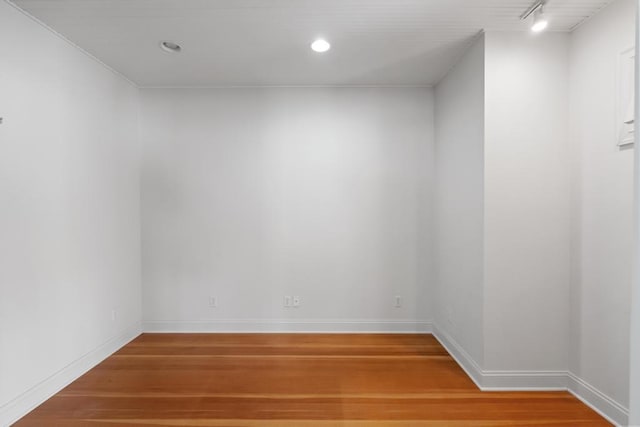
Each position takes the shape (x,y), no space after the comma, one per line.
(459,204)
(502,222)
(526,223)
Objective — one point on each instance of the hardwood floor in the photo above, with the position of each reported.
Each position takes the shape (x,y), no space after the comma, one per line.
(266,380)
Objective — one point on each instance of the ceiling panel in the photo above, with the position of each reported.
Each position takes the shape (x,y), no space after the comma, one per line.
(266,42)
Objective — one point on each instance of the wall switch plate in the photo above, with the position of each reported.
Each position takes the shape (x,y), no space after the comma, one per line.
(287,301)
(296,301)
(114,315)
(213,302)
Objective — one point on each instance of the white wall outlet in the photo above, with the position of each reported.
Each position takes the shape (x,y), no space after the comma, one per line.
(287,301)
(114,315)
(296,301)
(213,302)
(398,301)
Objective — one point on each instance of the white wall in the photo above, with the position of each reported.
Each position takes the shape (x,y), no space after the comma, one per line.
(459,202)
(634,377)
(527,240)
(602,211)
(69,251)
(253,194)
(502,205)
(553,266)
(329,194)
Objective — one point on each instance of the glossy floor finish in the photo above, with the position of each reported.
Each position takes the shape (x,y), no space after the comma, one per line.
(278,380)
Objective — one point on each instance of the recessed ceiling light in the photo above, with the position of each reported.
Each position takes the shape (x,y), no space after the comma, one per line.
(320,46)
(170,47)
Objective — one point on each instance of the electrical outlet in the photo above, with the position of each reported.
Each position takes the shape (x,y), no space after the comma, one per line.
(213,302)
(287,301)
(114,315)
(398,301)
(296,302)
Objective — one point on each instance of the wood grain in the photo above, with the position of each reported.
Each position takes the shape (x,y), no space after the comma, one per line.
(296,380)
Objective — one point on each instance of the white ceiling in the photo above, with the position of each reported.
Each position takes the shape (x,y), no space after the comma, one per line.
(266,42)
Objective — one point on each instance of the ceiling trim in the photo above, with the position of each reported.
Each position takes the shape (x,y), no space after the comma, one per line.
(590,17)
(310,86)
(70,43)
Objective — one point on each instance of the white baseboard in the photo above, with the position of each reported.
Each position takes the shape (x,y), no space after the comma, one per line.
(598,401)
(28,401)
(524,380)
(611,410)
(289,326)
(459,354)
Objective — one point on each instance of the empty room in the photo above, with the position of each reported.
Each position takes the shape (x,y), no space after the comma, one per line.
(319,213)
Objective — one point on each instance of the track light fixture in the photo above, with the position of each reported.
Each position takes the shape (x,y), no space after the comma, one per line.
(540,21)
